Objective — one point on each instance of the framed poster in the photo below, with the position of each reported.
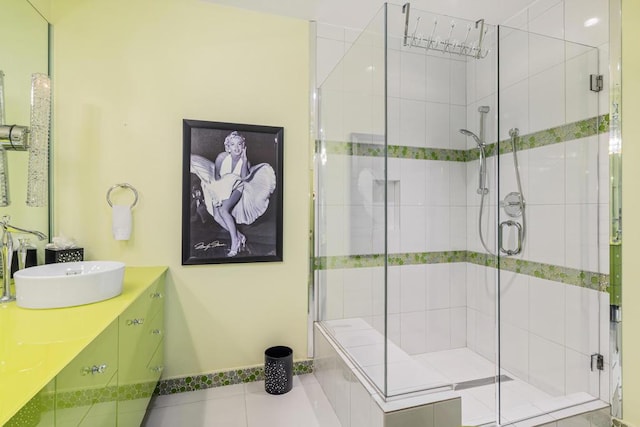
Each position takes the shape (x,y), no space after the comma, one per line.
(231,193)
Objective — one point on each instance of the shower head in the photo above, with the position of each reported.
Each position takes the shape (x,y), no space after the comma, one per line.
(474,136)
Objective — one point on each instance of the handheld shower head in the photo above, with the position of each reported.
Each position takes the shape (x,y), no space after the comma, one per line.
(474,136)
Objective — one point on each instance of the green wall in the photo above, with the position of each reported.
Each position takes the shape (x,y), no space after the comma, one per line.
(127,72)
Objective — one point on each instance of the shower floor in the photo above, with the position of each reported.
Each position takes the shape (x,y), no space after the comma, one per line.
(463,367)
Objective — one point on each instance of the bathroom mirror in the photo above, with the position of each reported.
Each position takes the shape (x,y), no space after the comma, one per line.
(24,50)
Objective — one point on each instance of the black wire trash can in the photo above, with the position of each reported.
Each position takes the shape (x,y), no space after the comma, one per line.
(278,370)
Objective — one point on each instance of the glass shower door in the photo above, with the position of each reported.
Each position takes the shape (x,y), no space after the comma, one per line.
(552,308)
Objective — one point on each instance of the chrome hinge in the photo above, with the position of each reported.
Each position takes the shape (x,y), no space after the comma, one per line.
(597,362)
(597,82)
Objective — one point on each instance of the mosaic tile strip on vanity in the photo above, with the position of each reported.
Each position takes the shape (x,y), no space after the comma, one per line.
(563,133)
(570,276)
(219,379)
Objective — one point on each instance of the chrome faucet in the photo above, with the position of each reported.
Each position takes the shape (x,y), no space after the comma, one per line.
(7,254)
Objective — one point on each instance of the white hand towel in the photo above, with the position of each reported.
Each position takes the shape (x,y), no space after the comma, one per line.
(121,222)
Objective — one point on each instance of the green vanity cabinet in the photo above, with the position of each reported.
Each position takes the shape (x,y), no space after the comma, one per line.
(113,371)
(85,388)
(141,334)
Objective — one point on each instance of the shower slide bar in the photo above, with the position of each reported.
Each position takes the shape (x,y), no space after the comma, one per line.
(448,45)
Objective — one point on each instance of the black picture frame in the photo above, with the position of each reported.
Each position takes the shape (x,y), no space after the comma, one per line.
(206,231)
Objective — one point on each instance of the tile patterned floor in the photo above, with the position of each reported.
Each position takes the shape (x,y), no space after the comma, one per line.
(245,405)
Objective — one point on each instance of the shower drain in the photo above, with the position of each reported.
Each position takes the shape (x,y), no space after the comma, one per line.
(481,382)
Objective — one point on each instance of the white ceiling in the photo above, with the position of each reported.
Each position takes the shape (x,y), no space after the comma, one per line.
(357,13)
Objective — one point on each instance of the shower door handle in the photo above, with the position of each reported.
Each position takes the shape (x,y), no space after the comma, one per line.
(510,223)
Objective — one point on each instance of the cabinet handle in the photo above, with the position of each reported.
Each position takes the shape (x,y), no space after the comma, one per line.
(95,369)
(157,369)
(134,322)
(155,295)
(156,332)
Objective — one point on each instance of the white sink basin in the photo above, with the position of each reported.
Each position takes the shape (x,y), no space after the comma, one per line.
(68,284)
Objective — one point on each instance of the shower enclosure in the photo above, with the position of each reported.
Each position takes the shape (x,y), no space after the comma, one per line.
(458,209)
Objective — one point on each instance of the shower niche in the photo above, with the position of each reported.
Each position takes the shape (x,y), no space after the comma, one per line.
(460,250)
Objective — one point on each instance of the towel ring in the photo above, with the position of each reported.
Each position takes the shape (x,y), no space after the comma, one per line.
(123,185)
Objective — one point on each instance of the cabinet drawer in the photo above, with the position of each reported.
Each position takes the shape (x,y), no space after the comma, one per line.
(86,381)
(94,366)
(156,364)
(137,344)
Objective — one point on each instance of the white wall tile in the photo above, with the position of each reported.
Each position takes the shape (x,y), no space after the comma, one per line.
(458,327)
(358,118)
(331,51)
(581,237)
(486,77)
(603,169)
(582,323)
(458,225)
(472,284)
(438,128)
(413,339)
(514,350)
(472,341)
(549,23)
(486,291)
(438,79)
(458,286)
(457,184)
(514,299)
(331,110)
(539,7)
(547,99)
(413,82)
(547,309)
(331,285)
(582,103)
(379,290)
(413,182)
(413,292)
(438,330)
(515,46)
(335,228)
(438,278)
(437,228)
(358,292)
(394,73)
(603,229)
(329,31)
(438,191)
(578,12)
(412,123)
(514,110)
(458,82)
(394,278)
(604,325)
(413,229)
(546,175)
(546,365)
(581,173)
(457,121)
(579,377)
(486,336)
(545,53)
(393,121)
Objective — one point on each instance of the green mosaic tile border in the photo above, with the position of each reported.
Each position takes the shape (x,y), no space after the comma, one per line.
(570,276)
(85,397)
(563,133)
(219,379)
